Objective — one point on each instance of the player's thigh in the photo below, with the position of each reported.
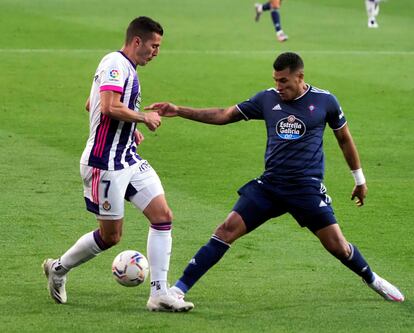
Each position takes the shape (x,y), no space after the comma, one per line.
(256,205)
(275,3)
(310,205)
(104,191)
(145,186)
(157,211)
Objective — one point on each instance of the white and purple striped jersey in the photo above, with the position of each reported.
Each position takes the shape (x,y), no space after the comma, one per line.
(111,143)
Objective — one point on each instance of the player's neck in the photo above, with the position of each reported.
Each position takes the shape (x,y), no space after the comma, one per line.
(129,53)
(303,88)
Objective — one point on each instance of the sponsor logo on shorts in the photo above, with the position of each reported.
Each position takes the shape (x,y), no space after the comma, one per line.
(106,205)
(144,166)
(290,128)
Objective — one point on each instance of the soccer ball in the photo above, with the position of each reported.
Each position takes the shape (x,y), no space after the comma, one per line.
(130,268)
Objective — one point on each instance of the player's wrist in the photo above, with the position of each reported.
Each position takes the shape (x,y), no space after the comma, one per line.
(358,176)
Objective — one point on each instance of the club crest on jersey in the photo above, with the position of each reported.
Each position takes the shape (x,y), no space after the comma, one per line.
(290,128)
(106,205)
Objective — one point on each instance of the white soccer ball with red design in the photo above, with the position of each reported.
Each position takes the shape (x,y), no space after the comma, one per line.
(130,268)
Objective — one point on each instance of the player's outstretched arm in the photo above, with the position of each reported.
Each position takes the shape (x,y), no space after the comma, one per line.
(215,116)
(347,145)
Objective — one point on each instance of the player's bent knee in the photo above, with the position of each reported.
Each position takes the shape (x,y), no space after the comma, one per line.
(229,231)
(340,250)
(163,216)
(111,240)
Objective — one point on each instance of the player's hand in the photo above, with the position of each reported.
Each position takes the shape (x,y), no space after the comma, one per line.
(359,192)
(139,137)
(152,120)
(164,109)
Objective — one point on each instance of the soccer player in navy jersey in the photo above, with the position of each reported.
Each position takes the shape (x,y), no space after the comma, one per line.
(295,115)
(112,170)
(273,6)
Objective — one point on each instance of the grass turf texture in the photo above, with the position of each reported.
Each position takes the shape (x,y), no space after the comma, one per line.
(277,279)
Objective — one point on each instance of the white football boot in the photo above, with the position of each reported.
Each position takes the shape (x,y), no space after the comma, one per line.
(172,301)
(259,11)
(372,23)
(56,282)
(281,36)
(386,289)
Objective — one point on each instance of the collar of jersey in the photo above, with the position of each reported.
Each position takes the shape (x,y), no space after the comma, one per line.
(132,63)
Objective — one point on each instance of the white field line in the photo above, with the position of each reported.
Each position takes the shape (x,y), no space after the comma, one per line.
(220,52)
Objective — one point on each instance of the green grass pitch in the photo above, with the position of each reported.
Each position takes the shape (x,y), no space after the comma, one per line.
(277,279)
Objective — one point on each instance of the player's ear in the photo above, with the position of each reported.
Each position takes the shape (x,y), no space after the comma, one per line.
(301,75)
(137,40)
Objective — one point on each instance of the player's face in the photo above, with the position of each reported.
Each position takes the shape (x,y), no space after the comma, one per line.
(288,84)
(148,49)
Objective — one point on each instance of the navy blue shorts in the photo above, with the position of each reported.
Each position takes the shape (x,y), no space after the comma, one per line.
(307,201)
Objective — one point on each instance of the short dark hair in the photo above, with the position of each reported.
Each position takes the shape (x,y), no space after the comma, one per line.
(142,27)
(289,60)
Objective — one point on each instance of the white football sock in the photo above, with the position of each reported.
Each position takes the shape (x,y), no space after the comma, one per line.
(159,252)
(83,250)
(371,10)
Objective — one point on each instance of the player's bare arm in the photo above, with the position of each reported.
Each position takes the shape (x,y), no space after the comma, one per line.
(215,116)
(347,145)
(87,105)
(112,106)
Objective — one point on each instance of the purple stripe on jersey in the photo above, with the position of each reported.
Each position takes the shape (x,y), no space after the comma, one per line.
(106,139)
(125,85)
(123,141)
(134,93)
(162,226)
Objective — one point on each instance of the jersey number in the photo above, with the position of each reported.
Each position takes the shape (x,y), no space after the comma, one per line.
(107,184)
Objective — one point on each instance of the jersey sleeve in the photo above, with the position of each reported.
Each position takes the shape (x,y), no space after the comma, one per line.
(113,76)
(335,116)
(252,108)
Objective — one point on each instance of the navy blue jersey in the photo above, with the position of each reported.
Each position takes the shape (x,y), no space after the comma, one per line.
(294,131)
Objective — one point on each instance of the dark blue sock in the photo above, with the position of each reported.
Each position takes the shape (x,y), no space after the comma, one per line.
(357,264)
(276,19)
(266,6)
(204,259)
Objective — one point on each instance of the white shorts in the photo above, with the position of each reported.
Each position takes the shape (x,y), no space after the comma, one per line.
(105,190)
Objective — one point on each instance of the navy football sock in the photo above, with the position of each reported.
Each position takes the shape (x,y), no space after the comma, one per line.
(357,264)
(276,19)
(266,6)
(204,259)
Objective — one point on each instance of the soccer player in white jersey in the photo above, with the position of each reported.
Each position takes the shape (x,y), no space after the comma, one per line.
(112,170)
(372,7)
